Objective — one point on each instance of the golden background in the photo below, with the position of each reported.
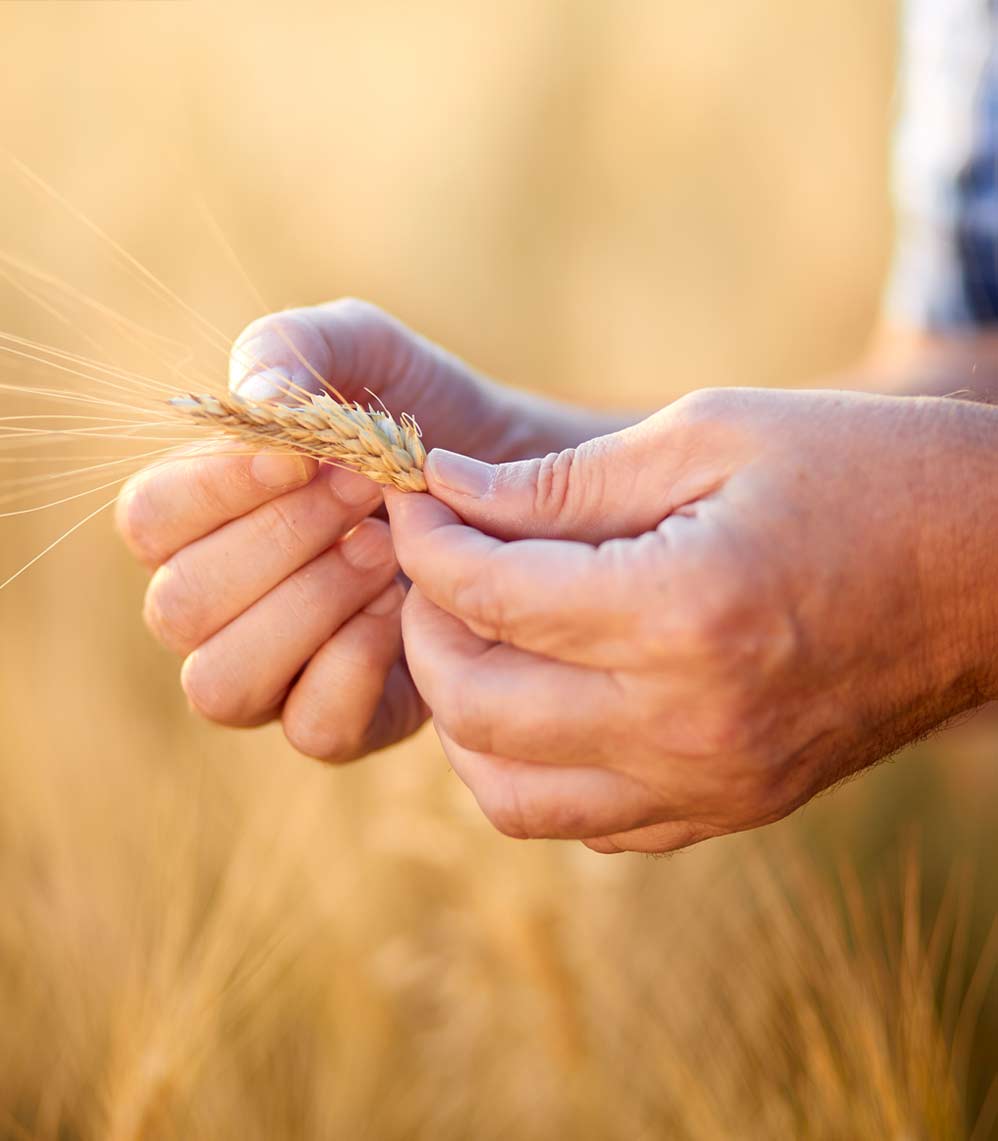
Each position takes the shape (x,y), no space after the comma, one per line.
(202,934)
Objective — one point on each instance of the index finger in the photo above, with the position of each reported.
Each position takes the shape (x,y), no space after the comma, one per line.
(563,599)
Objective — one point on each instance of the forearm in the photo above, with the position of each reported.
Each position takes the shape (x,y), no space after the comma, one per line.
(900,362)
(913,362)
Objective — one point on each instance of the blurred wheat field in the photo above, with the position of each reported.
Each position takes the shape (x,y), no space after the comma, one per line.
(205,936)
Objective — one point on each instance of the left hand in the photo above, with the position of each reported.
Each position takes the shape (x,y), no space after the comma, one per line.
(269,575)
(691,627)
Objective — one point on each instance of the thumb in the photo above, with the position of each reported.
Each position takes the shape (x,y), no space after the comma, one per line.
(347,345)
(609,487)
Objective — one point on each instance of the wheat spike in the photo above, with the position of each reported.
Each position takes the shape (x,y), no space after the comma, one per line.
(367,440)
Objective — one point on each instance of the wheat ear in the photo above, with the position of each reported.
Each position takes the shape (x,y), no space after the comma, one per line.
(367,440)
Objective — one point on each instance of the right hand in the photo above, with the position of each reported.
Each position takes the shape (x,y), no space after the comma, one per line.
(271,577)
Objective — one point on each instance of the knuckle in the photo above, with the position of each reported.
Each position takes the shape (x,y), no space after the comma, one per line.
(732,729)
(714,615)
(208,487)
(365,658)
(269,328)
(210,692)
(519,817)
(568,818)
(305,596)
(276,525)
(604,846)
(703,406)
(736,620)
(367,340)
(311,732)
(489,602)
(553,482)
(421,655)
(171,611)
(702,630)
(475,600)
(727,730)
(504,812)
(360,313)
(562,485)
(135,520)
(462,720)
(508,822)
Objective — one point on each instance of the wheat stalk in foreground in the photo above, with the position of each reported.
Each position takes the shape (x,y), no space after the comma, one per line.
(367,440)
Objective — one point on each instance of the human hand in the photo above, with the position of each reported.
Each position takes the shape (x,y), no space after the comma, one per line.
(270,576)
(691,627)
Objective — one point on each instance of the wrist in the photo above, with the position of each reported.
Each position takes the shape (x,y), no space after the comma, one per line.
(537,425)
(958,553)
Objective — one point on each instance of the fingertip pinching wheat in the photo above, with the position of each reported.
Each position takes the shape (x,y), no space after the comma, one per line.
(367,440)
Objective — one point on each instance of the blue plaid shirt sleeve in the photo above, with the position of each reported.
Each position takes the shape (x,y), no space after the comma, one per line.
(945,271)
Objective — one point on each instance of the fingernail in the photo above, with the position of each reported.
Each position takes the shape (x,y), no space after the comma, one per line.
(351,487)
(368,545)
(279,471)
(271,384)
(389,600)
(460,473)
(245,357)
